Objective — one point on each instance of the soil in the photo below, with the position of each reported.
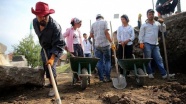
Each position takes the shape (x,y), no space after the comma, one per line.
(154,91)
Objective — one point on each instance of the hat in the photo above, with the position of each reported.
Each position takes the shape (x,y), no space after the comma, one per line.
(149,11)
(42,9)
(126,17)
(98,16)
(75,20)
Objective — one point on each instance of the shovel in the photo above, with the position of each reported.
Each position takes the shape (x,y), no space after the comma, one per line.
(120,81)
(165,53)
(58,99)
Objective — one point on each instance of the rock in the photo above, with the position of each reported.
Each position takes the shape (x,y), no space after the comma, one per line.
(124,101)
(14,76)
(177,87)
(182,97)
(162,97)
(176,101)
(114,99)
(151,102)
(3,48)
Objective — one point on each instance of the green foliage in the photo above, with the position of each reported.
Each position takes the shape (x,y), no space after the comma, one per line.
(30,49)
(62,69)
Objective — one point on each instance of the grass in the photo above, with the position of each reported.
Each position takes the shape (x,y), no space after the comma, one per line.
(62,69)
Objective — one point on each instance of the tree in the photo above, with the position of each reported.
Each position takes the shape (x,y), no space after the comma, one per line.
(30,49)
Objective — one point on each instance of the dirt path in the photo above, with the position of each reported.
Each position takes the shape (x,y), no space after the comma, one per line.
(156,91)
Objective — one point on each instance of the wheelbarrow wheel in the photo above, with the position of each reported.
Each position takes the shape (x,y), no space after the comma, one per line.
(84,80)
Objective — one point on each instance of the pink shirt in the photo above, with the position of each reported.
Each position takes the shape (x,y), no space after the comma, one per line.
(69,38)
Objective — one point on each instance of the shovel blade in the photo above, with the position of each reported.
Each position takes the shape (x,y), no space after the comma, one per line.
(119,83)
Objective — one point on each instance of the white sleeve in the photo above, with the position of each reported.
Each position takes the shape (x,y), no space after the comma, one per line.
(132,34)
(118,35)
(141,34)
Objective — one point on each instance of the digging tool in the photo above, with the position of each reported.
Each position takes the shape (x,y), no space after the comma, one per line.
(165,52)
(120,81)
(58,99)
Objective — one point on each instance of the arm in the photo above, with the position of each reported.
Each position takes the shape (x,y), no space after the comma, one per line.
(89,38)
(118,35)
(141,34)
(132,35)
(162,27)
(107,33)
(66,34)
(57,41)
(108,36)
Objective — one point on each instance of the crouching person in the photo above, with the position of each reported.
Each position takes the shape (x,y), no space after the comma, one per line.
(50,39)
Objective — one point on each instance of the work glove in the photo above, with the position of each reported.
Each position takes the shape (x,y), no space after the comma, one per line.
(113,46)
(139,16)
(141,45)
(51,60)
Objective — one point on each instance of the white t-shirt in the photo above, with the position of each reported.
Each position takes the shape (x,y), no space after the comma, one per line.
(87,46)
(76,37)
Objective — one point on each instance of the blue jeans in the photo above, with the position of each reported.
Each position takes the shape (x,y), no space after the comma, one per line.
(153,51)
(104,64)
(87,54)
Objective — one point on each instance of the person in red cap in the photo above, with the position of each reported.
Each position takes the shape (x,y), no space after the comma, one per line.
(50,38)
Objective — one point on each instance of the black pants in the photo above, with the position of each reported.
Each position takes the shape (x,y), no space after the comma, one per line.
(78,51)
(168,8)
(127,53)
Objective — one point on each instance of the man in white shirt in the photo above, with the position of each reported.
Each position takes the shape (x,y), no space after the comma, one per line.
(87,46)
(148,38)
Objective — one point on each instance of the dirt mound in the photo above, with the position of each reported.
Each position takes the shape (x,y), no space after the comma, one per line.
(175,42)
(155,91)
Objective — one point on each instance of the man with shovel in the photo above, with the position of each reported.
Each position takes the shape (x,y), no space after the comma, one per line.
(148,38)
(50,39)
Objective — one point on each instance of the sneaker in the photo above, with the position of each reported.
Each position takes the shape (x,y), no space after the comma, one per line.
(170,75)
(51,92)
(151,76)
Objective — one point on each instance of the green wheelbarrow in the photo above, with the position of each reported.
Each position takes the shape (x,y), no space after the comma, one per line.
(137,66)
(82,68)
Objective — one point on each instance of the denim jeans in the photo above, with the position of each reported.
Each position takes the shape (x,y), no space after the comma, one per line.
(104,64)
(153,51)
(87,54)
